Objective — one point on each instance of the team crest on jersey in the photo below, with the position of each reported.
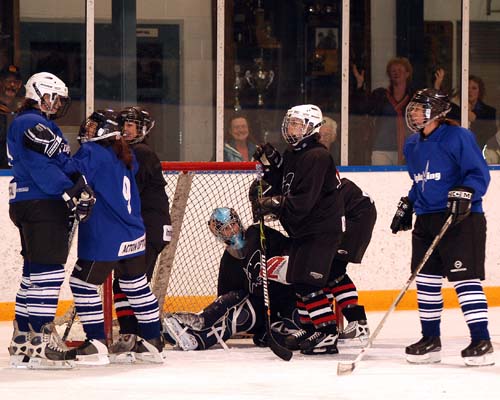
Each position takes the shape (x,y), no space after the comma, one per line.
(426,175)
(287,183)
(252,271)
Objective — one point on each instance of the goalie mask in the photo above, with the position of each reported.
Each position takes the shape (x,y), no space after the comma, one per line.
(426,106)
(101,124)
(50,93)
(142,120)
(226,226)
(301,122)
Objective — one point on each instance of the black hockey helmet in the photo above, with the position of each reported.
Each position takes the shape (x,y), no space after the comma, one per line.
(101,124)
(434,104)
(142,119)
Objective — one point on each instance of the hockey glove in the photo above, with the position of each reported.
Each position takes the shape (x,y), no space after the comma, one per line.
(459,203)
(402,220)
(41,139)
(268,206)
(80,199)
(267,155)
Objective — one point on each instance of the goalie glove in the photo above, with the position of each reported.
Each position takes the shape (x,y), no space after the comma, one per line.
(402,220)
(459,203)
(80,199)
(41,139)
(268,156)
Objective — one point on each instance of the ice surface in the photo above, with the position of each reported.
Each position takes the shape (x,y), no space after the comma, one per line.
(247,372)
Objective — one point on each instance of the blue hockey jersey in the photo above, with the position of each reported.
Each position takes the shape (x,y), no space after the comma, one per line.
(115,229)
(447,158)
(35,176)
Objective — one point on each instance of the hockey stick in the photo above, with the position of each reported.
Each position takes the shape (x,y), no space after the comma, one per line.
(276,348)
(73,308)
(345,368)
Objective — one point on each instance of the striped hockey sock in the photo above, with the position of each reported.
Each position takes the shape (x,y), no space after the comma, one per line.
(319,309)
(124,313)
(474,307)
(21,307)
(344,292)
(430,303)
(88,305)
(43,293)
(144,304)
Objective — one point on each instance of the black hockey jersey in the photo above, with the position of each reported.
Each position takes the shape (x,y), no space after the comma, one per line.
(310,183)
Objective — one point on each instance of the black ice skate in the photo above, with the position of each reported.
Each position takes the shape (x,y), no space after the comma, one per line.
(122,351)
(48,351)
(320,343)
(150,350)
(427,350)
(478,353)
(18,349)
(293,341)
(92,352)
(356,332)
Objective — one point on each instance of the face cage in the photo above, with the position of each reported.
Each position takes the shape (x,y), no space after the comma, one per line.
(413,125)
(294,140)
(63,108)
(92,128)
(142,130)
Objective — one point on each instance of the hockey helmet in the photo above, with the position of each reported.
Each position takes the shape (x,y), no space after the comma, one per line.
(50,92)
(142,119)
(226,226)
(301,122)
(433,103)
(101,124)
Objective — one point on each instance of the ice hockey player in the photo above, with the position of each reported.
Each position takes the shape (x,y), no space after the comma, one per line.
(137,125)
(41,198)
(113,238)
(239,305)
(309,205)
(450,177)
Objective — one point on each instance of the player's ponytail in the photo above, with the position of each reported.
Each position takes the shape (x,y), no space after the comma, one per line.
(123,152)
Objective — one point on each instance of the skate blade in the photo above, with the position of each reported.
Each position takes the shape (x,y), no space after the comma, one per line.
(320,350)
(482,361)
(149,357)
(122,358)
(354,342)
(43,363)
(93,359)
(19,361)
(429,358)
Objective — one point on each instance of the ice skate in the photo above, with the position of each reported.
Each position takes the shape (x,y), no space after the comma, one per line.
(320,343)
(18,349)
(479,353)
(355,333)
(173,331)
(92,352)
(293,341)
(47,350)
(122,351)
(150,350)
(427,350)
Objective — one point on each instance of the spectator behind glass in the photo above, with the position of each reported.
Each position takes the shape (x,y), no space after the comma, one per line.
(481,116)
(491,151)
(239,145)
(10,84)
(387,107)
(328,138)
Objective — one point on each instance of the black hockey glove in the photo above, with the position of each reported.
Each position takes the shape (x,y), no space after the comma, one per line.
(268,206)
(80,199)
(402,220)
(459,203)
(41,139)
(267,155)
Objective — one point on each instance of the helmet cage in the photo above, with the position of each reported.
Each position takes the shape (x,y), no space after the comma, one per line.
(42,84)
(434,105)
(100,125)
(142,120)
(301,122)
(226,226)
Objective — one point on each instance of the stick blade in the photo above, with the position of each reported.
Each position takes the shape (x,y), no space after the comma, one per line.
(345,368)
(280,351)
